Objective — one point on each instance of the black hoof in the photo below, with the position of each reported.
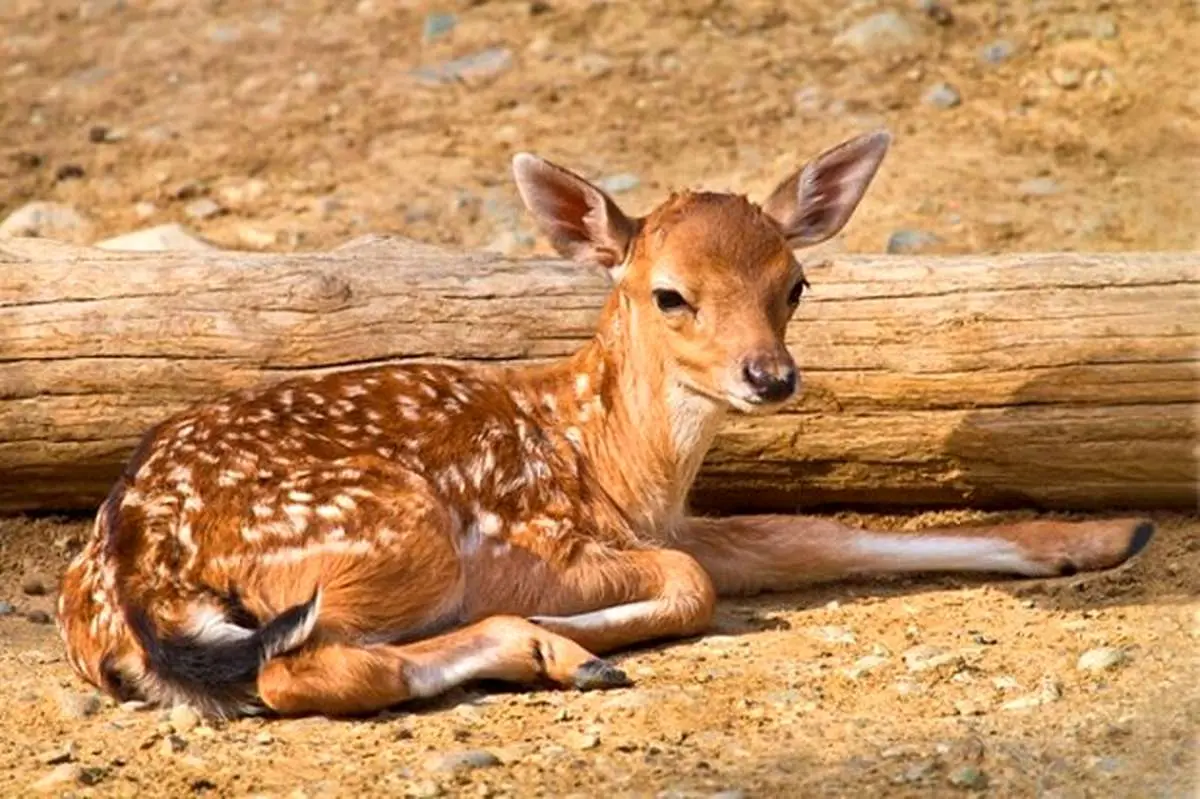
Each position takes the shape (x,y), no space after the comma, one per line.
(599,674)
(1141,537)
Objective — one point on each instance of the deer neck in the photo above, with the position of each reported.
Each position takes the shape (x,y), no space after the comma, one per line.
(642,433)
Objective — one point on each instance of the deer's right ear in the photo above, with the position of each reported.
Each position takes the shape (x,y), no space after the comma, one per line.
(581,221)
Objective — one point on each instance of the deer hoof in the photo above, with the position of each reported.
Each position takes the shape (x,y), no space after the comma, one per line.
(599,674)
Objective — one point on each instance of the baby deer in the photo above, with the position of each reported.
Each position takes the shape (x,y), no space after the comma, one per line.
(340,544)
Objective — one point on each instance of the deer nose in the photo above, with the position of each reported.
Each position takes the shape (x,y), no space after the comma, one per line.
(772,379)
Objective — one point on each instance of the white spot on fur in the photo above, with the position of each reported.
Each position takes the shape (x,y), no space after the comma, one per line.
(330,513)
(300,496)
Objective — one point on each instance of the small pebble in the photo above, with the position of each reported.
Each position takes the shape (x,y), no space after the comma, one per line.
(184,718)
(68,172)
(55,757)
(1102,659)
(79,705)
(264,738)
(462,761)
(864,665)
(1066,78)
(6,608)
(936,12)
(997,52)
(883,31)
(172,745)
(968,777)
(438,25)
(616,184)
(1039,187)
(832,634)
(910,241)
(62,776)
(203,208)
(35,585)
(926,657)
(426,789)
(942,95)
(583,741)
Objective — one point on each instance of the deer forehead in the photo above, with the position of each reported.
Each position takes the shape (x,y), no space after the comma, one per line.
(709,238)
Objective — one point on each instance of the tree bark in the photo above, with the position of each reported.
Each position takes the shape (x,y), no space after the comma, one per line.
(1052,381)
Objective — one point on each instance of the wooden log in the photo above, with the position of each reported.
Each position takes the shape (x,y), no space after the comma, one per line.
(1052,381)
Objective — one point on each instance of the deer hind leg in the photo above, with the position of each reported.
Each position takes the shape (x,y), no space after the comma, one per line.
(616,599)
(749,554)
(347,679)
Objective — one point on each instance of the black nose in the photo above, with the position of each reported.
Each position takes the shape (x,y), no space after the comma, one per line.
(771,381)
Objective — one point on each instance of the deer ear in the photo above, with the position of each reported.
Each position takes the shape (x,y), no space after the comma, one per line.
(581,221)
(817,201)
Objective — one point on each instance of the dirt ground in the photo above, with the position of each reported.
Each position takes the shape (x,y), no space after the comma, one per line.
(308,122)
(767,706)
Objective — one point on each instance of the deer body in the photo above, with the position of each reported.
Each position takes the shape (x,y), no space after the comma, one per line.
(339,544)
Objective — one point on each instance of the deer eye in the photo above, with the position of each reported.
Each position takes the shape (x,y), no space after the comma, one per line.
(669,300)
(797,292)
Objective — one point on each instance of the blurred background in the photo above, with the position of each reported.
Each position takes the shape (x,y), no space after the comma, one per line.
(1037,125)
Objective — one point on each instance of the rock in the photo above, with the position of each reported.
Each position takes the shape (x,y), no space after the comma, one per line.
(35,585)
(865,664)
(38,617)
(59,755)
(918,771)
(326,207)
(264,738)
(172,745)
(187,190)
(203,208)
(968,777)
(183,718)
(997,52)
(622,182)
(426,789)
(474,69)
(161,238)
(1102,658)
(47,220)
(936,12)
(68,172)
(437,25)
(6,608)
(832,634)
(1066,78)
(965,707)
(942,95)
(887,30)
(59,778)
(594,65)
(511,242)
(926,657)
(910,241)
(1039,187)
(224,34)
(582,741)
(134,706)
(462,761)
(1104,28)
(242,194)
(256,238)
(145,209)
(1050,691)
(75,706)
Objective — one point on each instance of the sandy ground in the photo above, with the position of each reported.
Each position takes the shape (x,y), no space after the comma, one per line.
(896,688)
(302,123)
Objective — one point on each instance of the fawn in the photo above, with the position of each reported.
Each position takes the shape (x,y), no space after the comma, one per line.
(342,543)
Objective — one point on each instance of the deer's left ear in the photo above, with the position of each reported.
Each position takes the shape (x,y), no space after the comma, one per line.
(818,200)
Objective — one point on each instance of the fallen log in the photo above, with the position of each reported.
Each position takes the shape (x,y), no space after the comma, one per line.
(1052,381)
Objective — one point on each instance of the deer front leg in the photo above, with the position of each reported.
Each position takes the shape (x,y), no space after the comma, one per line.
(350,679)
(750,554)
(631,597)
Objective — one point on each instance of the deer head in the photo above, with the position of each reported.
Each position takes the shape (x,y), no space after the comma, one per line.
(709,279)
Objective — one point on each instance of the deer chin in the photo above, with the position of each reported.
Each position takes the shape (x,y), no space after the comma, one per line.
(752,406)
